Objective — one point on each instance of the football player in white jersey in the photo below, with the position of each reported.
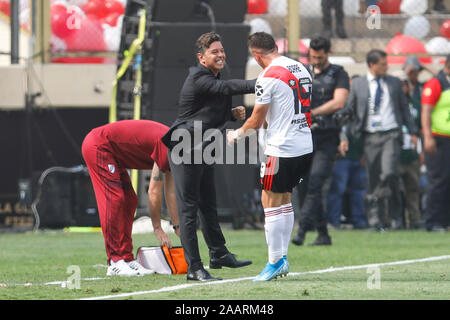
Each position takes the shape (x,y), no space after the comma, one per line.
(282,103)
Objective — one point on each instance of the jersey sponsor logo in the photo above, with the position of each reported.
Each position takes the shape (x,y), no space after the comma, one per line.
(295,68)
(303,123)
(427,92)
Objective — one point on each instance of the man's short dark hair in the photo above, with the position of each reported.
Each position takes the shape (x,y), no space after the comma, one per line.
(374,55)
(205,40)
(263,41)
(320,43)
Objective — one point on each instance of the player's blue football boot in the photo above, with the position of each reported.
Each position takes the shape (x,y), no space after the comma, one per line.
(285,269)
(271,271)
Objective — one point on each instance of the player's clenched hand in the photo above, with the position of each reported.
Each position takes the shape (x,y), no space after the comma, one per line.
(238,113)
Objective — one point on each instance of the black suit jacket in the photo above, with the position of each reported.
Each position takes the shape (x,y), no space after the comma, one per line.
(206,98)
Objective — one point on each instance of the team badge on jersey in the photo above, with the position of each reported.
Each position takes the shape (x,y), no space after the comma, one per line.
(111,168)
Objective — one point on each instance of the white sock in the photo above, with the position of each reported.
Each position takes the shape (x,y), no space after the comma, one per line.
(288,219)
(274,228)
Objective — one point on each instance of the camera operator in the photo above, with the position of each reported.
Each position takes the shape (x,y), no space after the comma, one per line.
(330,90)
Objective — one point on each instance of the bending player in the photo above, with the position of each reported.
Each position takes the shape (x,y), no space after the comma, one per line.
(282,101)
(109,151)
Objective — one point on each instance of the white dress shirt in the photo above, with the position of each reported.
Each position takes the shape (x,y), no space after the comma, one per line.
(384,118)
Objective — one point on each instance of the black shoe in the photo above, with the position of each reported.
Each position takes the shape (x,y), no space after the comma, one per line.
(228,260)
(379,229)
(299,238)
(327,33)
(201,275)
(340,32)
(322,240)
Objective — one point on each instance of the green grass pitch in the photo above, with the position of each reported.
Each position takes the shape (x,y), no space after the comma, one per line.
(34,266)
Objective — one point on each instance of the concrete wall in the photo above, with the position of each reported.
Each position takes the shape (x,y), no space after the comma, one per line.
(62,85)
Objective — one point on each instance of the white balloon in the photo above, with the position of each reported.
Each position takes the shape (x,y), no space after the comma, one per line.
(120,22)
(260,25)
(417,27)
(414,7)
(438,45)
(111,36)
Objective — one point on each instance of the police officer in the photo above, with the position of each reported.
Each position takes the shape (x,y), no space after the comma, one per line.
(330,90)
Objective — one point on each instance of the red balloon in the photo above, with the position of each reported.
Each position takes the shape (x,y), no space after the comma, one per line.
(111,19)
(88,38)
(5,7)
(405,44)
(256,6)
(96,8)
(113,6)
(59,16)
(389,6)
(445,29)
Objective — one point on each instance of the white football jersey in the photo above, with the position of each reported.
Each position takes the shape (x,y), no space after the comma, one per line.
(286,85)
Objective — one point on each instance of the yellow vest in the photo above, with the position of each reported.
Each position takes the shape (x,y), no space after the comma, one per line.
(440,117)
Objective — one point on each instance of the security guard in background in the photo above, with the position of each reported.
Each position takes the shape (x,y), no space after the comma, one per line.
(331,85)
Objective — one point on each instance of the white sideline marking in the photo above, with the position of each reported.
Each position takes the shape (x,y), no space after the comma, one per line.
(331,269)
(61,282)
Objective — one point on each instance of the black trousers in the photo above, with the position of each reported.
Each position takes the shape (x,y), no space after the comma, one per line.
(337,5)
(195,191)
(438,185)
(312,213)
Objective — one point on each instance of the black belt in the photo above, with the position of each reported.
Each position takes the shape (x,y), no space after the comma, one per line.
(382,132)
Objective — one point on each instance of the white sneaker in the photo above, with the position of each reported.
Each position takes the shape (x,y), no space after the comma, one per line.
(136,266)
(121,268)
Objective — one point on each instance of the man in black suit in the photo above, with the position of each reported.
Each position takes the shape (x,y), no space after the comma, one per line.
(204,105)
(380,111)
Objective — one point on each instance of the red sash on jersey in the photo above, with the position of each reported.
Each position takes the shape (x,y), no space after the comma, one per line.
(298,89)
